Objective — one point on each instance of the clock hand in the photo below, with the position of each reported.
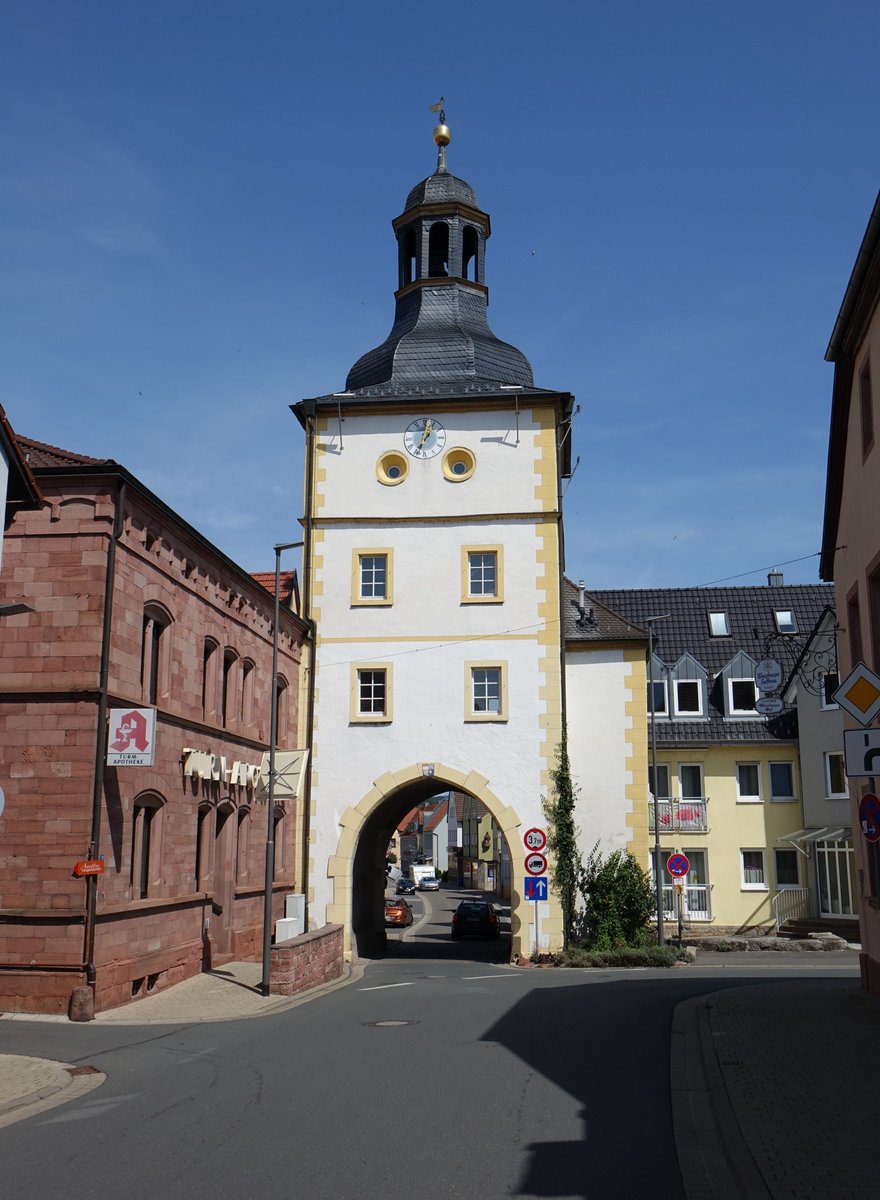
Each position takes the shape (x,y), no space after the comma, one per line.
(427,433)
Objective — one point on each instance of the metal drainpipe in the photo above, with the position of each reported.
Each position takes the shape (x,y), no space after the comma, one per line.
(310,702)
(101,738)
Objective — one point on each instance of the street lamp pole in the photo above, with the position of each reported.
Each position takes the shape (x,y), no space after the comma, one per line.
(658,881)
(270,802)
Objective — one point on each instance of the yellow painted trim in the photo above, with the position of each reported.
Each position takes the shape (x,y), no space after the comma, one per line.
(359,601)
(392,459)
(490,664)
(341,864)
(498,597)
(455,455)
(356,717)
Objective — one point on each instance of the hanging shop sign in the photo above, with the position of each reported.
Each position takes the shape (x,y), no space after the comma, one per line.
(212,768)
(131,738)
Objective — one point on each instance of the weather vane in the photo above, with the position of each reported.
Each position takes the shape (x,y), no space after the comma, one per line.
(439,108)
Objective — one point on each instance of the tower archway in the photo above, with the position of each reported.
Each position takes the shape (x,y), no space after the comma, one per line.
(357,869)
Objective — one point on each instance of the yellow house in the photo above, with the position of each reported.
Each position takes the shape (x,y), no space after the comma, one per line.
(723,758)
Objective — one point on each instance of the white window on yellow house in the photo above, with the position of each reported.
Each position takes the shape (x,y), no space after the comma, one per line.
(754,870)
(485,691)
(371,577)
(370,693)
(781,781)
(482,572)
(748,783)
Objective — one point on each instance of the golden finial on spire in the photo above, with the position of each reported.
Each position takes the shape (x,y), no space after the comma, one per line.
(442,136)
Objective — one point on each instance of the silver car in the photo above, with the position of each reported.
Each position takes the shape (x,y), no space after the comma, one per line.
(429,883)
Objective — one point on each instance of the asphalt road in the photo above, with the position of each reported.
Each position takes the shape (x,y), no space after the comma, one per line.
(439,1073)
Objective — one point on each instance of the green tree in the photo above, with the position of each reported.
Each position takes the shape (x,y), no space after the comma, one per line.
(562,832)
(618,901)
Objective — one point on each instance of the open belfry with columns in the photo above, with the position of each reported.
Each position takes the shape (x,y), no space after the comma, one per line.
(433,575)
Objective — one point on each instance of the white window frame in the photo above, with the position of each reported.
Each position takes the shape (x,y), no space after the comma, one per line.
(661,768)
(688,712)
(681,793)
(788,799)
(782,887)
(745,885)
(740,712)
(824,702)
(830,794)
(659,712)
(743,798)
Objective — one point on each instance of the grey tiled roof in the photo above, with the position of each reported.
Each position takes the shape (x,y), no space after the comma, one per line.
(440,333)
(600,623)
(441,188)
(685,630)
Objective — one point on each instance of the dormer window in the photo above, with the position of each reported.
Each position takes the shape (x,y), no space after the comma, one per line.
(742,697)
(688,698)
(660,708)
(785,620)
(719,626)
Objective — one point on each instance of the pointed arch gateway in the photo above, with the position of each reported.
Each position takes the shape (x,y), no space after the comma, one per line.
(357,869)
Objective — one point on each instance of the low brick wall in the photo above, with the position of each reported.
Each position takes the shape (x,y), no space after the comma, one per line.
(306,961)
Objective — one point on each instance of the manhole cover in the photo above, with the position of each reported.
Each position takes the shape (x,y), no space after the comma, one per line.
(82,1071)
(388,1024)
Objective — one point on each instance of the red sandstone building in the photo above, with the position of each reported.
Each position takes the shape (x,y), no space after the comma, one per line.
(141,634)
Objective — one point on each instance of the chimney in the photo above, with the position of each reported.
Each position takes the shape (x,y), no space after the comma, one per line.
(775,579)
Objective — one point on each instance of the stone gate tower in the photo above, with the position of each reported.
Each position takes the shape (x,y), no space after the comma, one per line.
(432,573)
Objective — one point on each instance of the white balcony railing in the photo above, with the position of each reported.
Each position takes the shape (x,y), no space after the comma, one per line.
(697,903)
(680,816)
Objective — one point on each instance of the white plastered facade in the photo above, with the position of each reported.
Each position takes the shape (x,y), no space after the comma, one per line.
(429,636)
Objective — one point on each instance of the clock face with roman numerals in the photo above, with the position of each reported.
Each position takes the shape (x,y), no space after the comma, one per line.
(424,437)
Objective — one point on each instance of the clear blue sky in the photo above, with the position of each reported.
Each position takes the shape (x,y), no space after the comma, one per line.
(195,207)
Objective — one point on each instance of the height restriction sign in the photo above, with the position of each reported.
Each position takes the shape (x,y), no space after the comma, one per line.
(535,839)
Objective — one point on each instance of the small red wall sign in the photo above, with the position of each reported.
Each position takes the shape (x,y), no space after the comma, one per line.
(89,866)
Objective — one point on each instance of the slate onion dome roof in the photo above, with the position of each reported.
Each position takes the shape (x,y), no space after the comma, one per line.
(440,334)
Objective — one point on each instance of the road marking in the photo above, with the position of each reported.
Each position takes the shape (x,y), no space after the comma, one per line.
(383,986)
(470,977)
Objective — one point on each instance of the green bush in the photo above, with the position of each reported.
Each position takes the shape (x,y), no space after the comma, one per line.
(619,900)
(645,956)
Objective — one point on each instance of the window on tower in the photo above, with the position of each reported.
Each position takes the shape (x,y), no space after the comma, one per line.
(370,693)
(438,250)
(469,258)
(371,577)
(481,571)
(486,691)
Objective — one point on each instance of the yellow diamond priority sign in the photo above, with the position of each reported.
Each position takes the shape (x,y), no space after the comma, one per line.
(859,694)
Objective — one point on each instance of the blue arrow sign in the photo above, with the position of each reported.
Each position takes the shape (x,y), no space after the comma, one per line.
(536,887)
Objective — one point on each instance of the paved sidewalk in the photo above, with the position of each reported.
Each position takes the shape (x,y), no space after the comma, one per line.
(775,1091)
(29,1085)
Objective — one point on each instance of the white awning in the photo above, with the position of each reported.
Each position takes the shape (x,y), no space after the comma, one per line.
(806,837)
